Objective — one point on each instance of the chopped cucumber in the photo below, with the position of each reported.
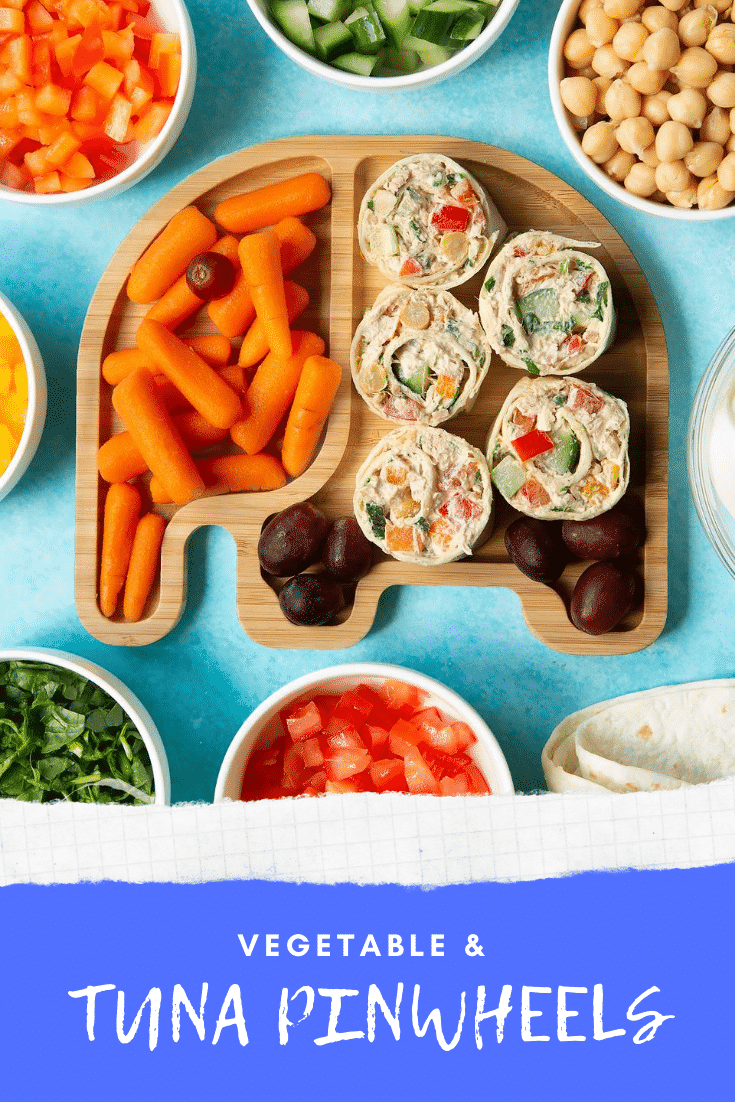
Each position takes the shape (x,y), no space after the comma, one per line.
(361,65)
(540,310)
(427,51)
(292,16)
(368,36)
(565,455)
(329,11)
(466,29)
(331,40)
(401,61)
(395,18)
(508,476)
(417,380)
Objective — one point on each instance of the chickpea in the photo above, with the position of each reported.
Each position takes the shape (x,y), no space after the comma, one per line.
(622,101)
(578,50)
(650,157)
(601,29)
(606,62)
(688,106)
(685,199)
(721,43)
(586,7)
(641,180)
(622,9)
(619,165)
(674,5)
(656,108)
(673,141)
(716,126)
(695,67)
(628,41)
(711,195)
(644,80)
(673,176)
(635,134)
(601,84)
(695,26)
(718,5)
(730,144)
(661,49)
(599,142)
(579,95)
(703,158)
(722,90)
(656,17)
(726,172)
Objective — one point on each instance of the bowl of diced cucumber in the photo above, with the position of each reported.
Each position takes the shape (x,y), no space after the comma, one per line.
(383,45)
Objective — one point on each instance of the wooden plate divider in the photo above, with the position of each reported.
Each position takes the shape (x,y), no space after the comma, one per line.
(343,286)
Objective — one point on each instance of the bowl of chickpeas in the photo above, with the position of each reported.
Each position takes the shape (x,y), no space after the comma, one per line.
(643,92)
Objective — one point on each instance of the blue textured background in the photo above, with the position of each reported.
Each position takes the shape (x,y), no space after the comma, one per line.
(201,680)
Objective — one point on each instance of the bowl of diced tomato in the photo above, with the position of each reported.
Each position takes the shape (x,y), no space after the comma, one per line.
(363,727)
(93,95)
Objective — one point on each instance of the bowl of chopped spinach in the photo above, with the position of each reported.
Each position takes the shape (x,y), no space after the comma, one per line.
(71,731)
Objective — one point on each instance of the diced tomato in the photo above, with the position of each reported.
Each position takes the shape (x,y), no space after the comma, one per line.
(429,720)
(419,778)
(342,734)
(449,218)
(346,763)
(531,444)
(293,766)
(397,693)
(406,731)
(573,343)
(460,509)
(518,251)
(405,409)
(478,784)
(399,746)
(534,492)
(341,787)
(454,786)
(466,193)
(304,723)
(585,399)
(378,736)
(451,738)
(90,50)
(388,775)
(357,700)
(409,267)
(312,753)
(586,285)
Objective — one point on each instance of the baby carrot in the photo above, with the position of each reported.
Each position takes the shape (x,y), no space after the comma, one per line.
(119,460)
(266,205)
(156,437)
(254,344)
(260,256)
(213,347)
(122,509)
(179,302)
(271,393)
(144,560)
(313,399)
(297,243)
(235,474)
(198,382)
(117,365)
(188,233)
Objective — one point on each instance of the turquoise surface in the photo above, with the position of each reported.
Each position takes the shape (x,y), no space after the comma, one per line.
(201,680)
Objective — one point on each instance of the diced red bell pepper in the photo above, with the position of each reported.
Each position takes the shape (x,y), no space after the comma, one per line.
(534,492)
(573,343)
(304,723)
(466,193)
(450,218)
(409,267)
(460,509)
(531,444)
(419,778)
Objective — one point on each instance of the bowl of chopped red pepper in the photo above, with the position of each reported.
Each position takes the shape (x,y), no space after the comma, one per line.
(363,727)
(93,95)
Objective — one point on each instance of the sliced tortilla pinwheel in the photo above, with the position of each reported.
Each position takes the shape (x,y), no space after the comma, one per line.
(427,222)
(546,306)
(424,496)
(559,449)
(419,355)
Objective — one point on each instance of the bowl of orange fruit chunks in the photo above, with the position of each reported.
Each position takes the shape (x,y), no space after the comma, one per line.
(22,396)
(93,94)
(363,727)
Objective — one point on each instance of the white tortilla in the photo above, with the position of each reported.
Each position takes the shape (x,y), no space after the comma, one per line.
(651,741)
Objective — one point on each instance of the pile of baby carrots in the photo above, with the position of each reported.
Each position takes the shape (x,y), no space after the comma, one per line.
(180,396)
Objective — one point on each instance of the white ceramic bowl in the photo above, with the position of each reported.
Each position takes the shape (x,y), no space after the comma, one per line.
(711,436)
(263,726)
(174,18)
(421,79)
(120,693)
(565,21)
(36,411)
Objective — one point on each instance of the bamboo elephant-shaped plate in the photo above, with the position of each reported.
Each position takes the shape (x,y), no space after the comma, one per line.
(342,286)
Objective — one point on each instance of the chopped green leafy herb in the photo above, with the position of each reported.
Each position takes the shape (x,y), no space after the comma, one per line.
(564,266)
(423,524)
(490,283)
(507,336)
(601,299)
(64,738)
(418,232)
(531,366)
(560,399)
(376,516)
(370,205)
